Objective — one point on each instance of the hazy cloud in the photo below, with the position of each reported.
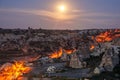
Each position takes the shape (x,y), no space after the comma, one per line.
(50,19)
(45,13)
(74,14)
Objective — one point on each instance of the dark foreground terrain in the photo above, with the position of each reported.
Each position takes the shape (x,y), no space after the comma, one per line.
(63,54)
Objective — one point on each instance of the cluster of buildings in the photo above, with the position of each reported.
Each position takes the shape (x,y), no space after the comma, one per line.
(39,44)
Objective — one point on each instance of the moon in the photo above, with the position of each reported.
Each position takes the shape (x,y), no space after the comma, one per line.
(62,8)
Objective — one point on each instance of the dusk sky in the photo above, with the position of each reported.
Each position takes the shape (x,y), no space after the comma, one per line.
(60,14)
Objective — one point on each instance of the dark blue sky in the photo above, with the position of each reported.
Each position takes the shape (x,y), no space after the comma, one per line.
(80,14)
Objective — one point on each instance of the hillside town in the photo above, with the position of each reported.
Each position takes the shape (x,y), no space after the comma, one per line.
(77,54)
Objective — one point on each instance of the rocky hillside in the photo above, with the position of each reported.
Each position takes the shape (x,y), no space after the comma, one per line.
(95,50)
